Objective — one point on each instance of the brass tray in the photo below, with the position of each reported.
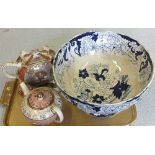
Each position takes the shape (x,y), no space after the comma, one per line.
(73,116)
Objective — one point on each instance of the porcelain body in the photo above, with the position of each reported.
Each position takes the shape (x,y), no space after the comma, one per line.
(42,106)
(103,73)
(34,68)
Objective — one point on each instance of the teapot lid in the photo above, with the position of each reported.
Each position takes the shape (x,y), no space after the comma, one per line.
(40,98)
(35,56)
(38,104)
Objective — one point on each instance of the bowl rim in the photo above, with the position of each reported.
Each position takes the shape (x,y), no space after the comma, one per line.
(103,103)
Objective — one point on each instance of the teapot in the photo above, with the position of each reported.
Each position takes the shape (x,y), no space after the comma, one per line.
(42,105)
(34,68)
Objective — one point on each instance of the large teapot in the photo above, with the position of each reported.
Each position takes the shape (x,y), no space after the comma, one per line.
(33,68)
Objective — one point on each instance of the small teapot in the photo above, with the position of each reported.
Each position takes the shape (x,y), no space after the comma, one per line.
(34,68)
(42,105)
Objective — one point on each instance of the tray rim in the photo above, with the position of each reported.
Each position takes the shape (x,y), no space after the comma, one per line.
(9,106)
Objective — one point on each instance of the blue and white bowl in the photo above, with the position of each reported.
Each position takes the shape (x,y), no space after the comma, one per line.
(102,73)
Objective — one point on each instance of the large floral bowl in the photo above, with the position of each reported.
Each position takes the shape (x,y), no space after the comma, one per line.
(102,73)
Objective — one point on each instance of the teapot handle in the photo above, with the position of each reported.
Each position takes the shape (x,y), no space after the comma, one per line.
(24,88)
(12,64)
(59,113)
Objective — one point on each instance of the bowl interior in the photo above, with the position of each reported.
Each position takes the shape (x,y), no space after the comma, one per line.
(98,67)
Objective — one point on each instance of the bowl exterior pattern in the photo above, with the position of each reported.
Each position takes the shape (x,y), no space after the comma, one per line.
(102,110)
(94,41)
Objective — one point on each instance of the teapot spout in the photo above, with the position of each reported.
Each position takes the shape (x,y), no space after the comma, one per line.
(24,88)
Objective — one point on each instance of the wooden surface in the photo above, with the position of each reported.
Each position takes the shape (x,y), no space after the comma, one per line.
(72,115)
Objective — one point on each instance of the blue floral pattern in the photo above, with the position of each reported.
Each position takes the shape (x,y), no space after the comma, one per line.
(98,99)
(83,73)
(120,87)
(105,42)
(100,76)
